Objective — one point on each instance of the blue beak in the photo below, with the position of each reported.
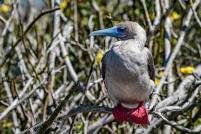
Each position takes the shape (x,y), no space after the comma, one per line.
(115,31)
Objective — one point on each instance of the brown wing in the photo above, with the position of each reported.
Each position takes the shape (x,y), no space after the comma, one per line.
(151,67)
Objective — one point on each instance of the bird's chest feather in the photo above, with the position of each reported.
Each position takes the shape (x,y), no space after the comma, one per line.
(127,60)
(126,72)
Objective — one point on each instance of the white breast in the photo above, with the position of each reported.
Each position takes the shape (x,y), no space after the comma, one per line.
(126,76)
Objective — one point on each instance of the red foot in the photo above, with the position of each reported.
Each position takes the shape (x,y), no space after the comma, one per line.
(137,115)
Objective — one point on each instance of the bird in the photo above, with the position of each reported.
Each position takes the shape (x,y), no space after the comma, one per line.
(128,71)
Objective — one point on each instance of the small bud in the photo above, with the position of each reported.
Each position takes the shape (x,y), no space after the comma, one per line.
(99,57)
(63,5)
(174,16)
(4,8)
(187,70)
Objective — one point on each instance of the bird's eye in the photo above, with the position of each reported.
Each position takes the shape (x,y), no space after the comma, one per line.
(121,29)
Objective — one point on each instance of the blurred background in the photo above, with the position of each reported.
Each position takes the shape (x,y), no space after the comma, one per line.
(50,78)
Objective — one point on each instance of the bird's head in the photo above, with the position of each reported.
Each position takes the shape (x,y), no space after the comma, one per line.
(124,31)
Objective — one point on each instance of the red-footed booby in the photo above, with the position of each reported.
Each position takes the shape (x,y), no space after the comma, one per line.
(128,72)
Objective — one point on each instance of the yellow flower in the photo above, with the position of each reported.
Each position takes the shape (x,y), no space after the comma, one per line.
(187,70)
(63,4)
(161,73)
(157,81)
(174,16)
(99,56)
(4,8)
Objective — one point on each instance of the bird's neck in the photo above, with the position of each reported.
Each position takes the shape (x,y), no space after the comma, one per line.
(139,44)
